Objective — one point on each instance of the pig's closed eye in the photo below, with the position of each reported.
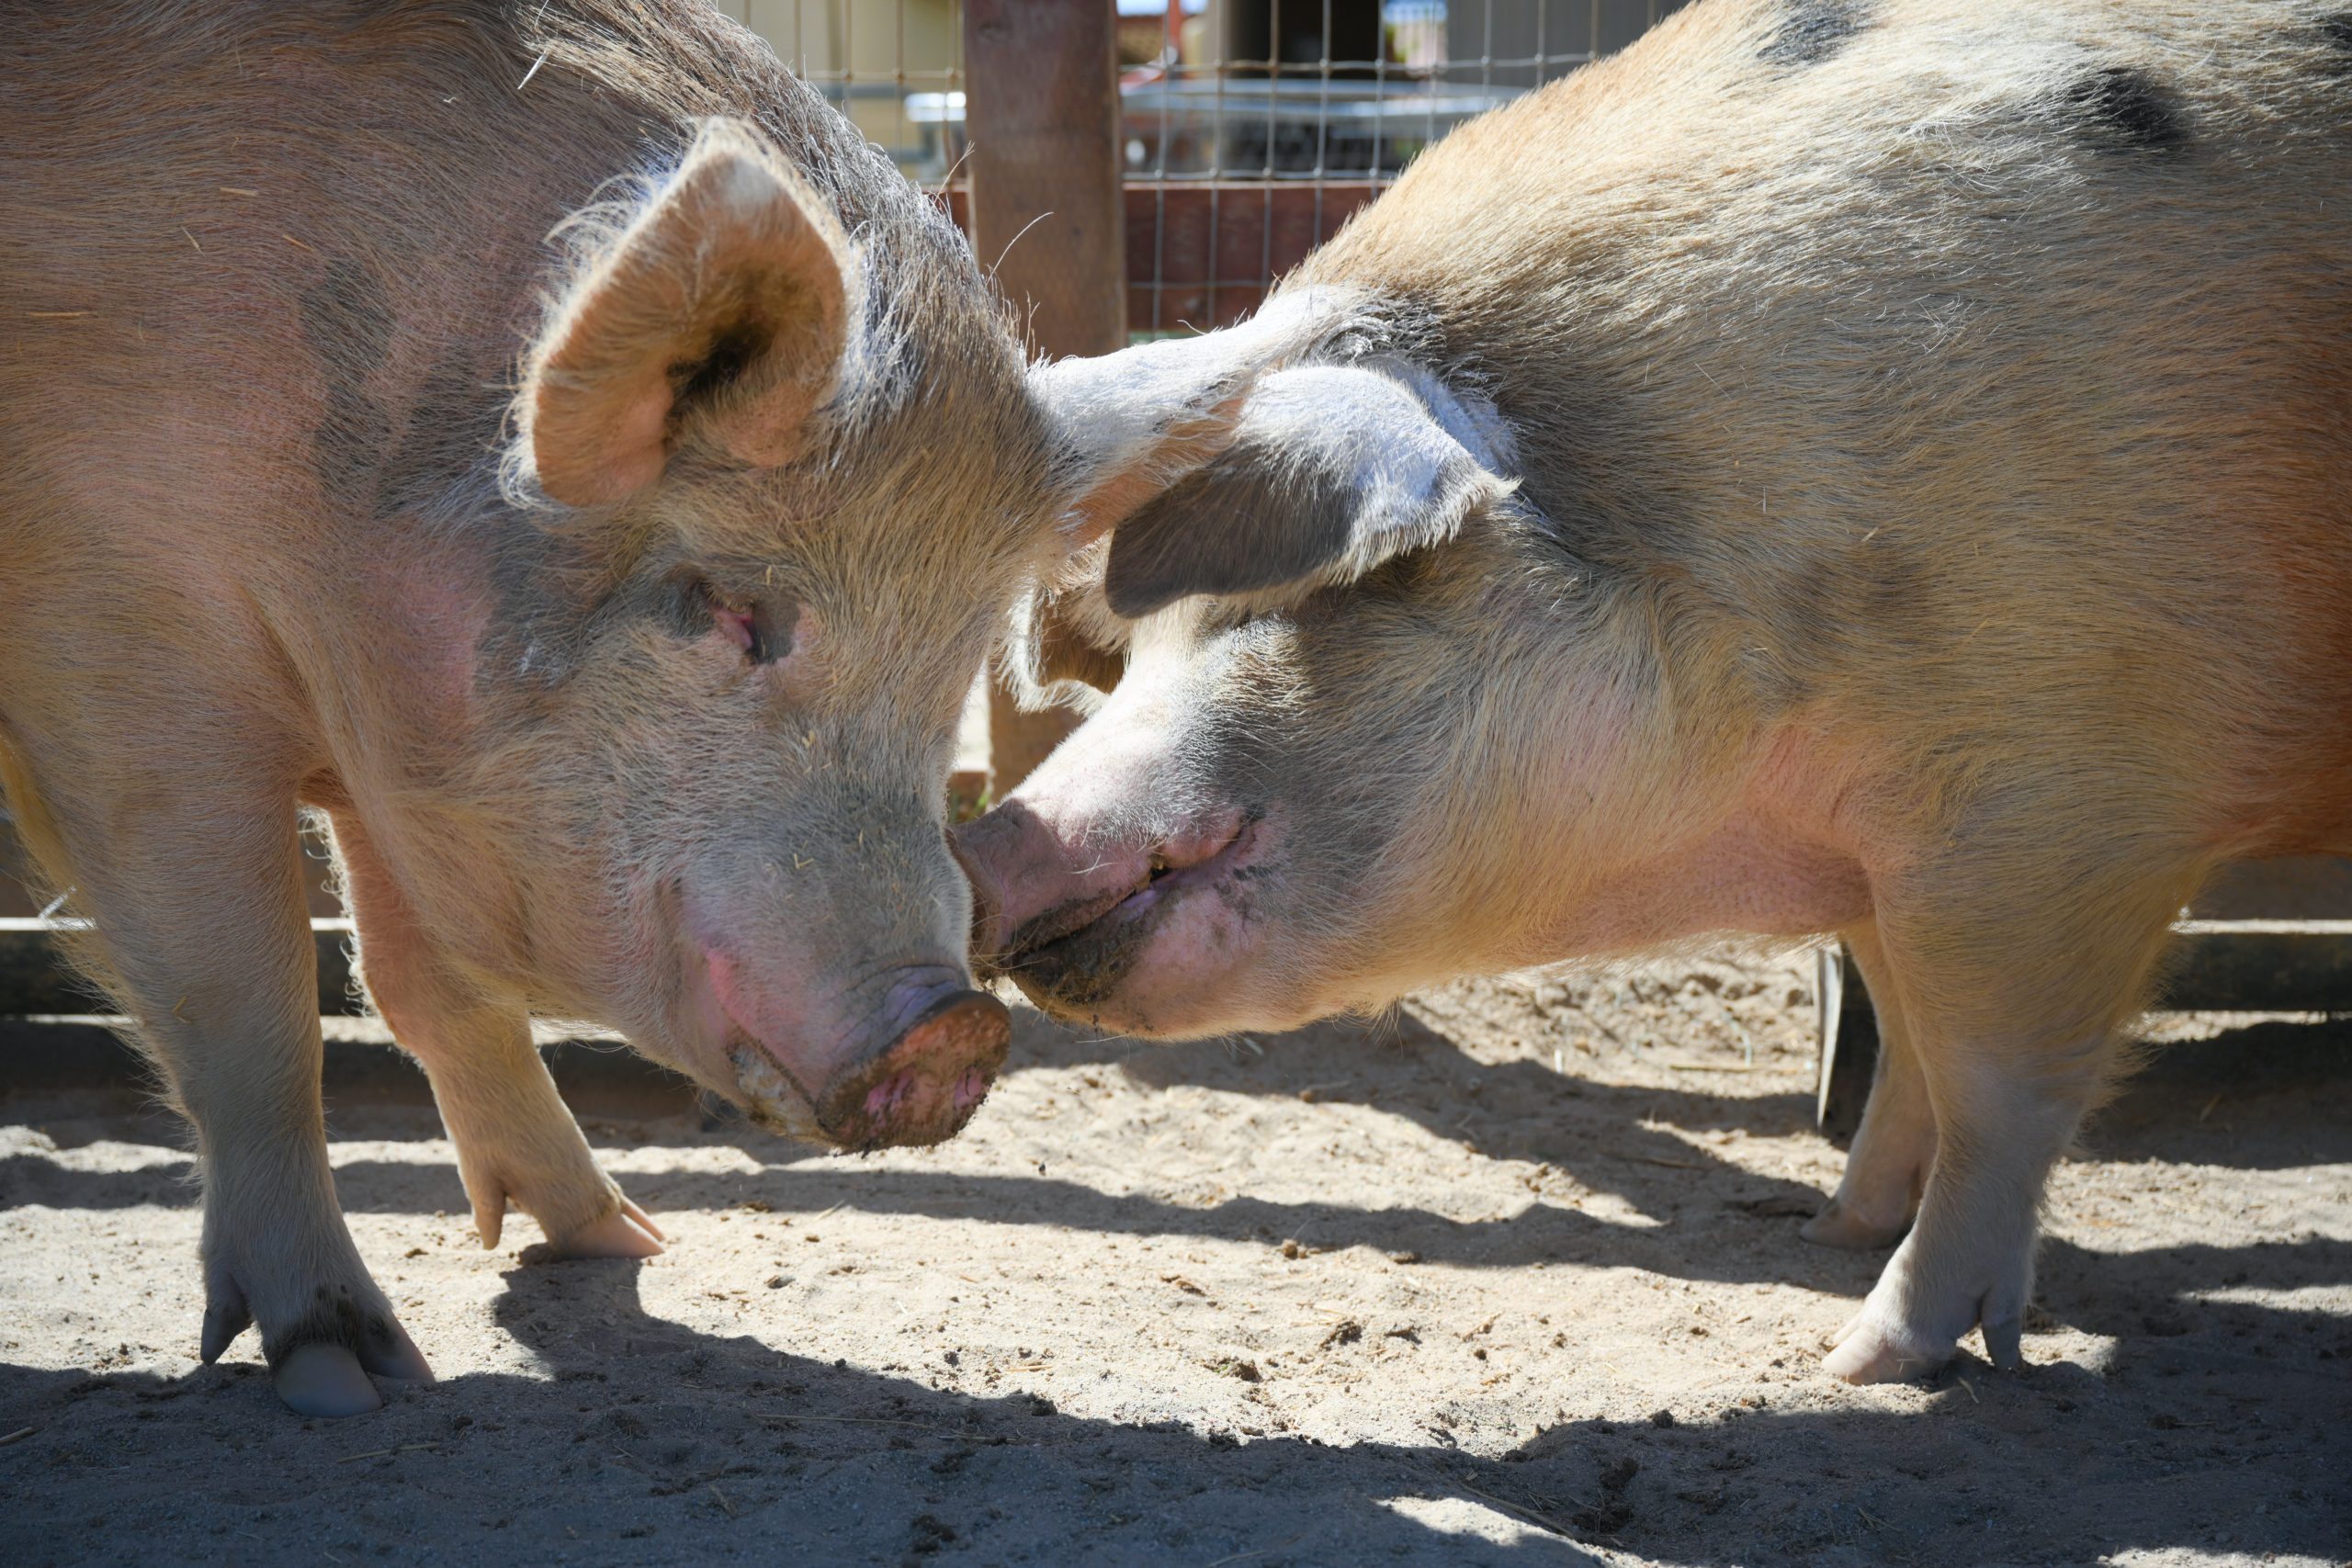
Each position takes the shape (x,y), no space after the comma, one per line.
(756,628)
(742,625)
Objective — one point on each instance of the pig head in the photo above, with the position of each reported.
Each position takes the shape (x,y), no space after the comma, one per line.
(693,717)
(731,681)
(1243,832)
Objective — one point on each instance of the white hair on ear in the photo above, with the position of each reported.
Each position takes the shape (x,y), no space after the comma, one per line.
(1330,470)
(1120,414)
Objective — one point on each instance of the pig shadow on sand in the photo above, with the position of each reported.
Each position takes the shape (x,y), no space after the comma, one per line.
(639,1439)
(2214,1425)
(1707,1218)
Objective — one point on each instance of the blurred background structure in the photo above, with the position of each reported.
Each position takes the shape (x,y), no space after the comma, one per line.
(1246,130)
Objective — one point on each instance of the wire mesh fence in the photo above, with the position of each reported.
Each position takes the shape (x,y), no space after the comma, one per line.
(894,67)
(1249,129)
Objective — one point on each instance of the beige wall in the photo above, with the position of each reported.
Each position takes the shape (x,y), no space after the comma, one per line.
(858,51)
(880,34)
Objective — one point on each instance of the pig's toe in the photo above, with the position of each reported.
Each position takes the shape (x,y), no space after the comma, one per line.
(325,1380)
(2000,1317)
(624,1232)
(1836,1225)
(1872,1349)
(226,1315)
(2004,1342)
(320,1364)
(489,1199)
(386,1350)
(579,1210)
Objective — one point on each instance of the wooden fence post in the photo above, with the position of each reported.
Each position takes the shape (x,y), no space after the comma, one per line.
(1042,113)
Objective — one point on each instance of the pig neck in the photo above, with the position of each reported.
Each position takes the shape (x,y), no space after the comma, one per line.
(1683,797)
(1651,599)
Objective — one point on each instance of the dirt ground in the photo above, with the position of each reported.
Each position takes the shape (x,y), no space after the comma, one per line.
(1510,1277)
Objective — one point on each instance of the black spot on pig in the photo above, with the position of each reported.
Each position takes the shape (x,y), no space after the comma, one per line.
(1813,30)
(2337,32)
(349,327)
(2125,112)
(334,1318)
(445,466)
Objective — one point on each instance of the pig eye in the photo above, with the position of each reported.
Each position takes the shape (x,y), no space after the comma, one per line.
(757,628)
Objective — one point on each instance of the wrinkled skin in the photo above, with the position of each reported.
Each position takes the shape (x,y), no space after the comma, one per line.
(1765,485)
(625,672)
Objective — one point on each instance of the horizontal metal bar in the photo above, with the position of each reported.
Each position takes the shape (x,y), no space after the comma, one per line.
(2261,966)
(35,976)
(2223,966)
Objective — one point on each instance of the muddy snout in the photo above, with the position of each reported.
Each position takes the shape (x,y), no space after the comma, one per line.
(923,1086)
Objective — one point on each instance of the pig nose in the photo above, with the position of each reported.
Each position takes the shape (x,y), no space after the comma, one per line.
(924,1086)
(972,844)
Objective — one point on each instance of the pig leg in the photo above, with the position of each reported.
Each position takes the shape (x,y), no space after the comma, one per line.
(2014,1031)
(200,903)
(516,1138)
(1887,1168)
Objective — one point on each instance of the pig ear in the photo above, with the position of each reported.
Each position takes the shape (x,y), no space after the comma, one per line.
(724,309)
(1133,423)
(1064,640)
(1330,471)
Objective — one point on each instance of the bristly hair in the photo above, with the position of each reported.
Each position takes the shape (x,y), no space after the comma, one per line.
(683,69)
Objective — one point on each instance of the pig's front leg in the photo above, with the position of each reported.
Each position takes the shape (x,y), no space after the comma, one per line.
(2013,1031)
(1887,1170)
(516,1138)
(516,1141)
(200,908)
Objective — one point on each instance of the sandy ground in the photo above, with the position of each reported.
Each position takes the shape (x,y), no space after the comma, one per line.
(1512,1278)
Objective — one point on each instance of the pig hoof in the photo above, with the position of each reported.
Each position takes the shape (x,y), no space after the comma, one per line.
(1871,1351)
(1838,1225)
(388,1352)
(2004,1343)
(624,1232)
(325,1380)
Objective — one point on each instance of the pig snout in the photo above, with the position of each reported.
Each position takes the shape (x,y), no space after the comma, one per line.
(924,1085)
(919,1065)
(1031,884)
(1043,892)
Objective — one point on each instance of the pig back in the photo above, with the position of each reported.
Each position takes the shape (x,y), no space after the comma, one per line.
(1957,371)
(274,264)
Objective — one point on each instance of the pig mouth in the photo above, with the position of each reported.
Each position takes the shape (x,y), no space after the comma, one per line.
(1075,956)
